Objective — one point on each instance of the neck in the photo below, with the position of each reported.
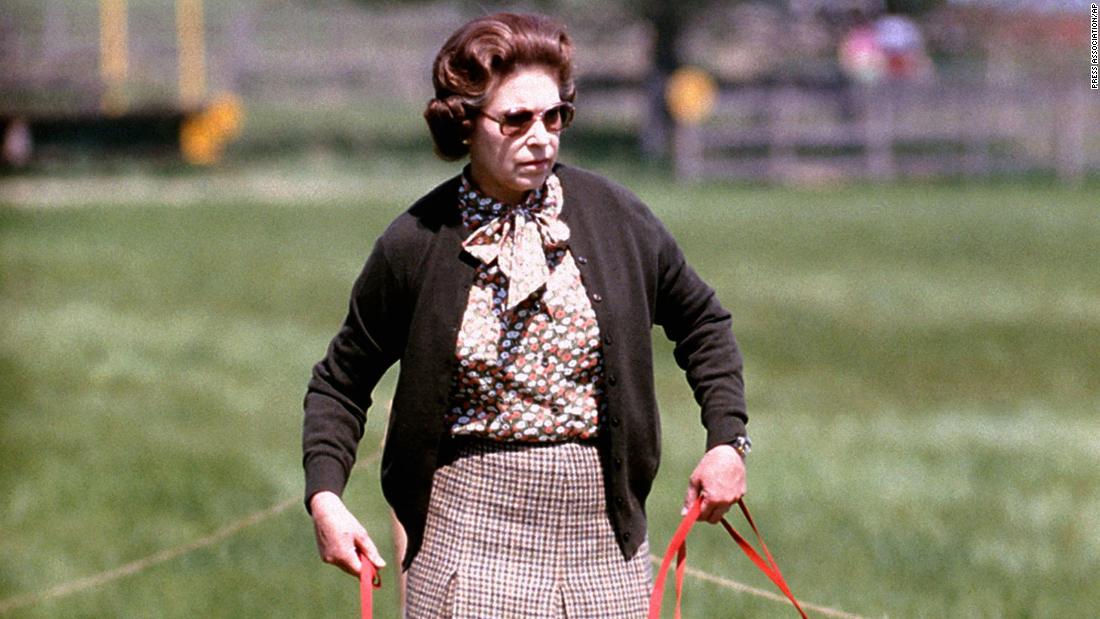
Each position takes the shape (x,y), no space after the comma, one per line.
(499,193)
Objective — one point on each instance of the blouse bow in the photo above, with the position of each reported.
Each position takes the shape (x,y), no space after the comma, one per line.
(518,237)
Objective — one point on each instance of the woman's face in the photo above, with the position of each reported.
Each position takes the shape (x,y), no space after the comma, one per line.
(507,167)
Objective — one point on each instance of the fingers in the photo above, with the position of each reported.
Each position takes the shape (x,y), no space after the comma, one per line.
(341,539)
(710,510)
(342,554)
(365,546)
(720,480)
(689,499)
(713,511)
(350,563)
(349,557)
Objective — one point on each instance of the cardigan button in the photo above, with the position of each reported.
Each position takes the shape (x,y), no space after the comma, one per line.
(582,260)
(626,536)
(618,463)
(607,339)
(612,380)
(597,298)
(615,421)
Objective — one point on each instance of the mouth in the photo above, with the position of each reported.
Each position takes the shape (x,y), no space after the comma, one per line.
(537,163)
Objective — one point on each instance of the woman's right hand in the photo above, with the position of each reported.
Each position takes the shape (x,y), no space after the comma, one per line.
(340,537)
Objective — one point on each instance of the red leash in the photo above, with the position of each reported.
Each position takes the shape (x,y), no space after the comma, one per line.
(678,545)
(369,580)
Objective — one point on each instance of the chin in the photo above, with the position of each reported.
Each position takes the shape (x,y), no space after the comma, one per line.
(528,184)
(531,180)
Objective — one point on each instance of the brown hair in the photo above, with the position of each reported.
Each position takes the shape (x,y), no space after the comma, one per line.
(477,56)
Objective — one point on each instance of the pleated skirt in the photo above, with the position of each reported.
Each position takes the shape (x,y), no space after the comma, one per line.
(516,531)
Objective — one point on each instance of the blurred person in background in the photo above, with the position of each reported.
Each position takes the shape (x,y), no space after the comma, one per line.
(902,44)
(518,298)
(860,55)
(891,46)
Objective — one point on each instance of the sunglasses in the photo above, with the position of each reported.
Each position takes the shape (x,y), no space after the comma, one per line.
(517,121)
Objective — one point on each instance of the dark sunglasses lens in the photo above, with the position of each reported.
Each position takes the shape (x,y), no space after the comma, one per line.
(551,118)
(555,119)
(559,117)
(515,122)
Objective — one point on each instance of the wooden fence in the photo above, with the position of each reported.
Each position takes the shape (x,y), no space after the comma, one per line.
(331,56)
(894,131)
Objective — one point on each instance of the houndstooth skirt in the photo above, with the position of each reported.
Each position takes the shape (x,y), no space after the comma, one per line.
(518,530)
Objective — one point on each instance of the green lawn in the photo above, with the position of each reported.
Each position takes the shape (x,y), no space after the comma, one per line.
(922,370)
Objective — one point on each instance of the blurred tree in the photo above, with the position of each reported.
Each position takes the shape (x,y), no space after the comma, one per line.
(669,22)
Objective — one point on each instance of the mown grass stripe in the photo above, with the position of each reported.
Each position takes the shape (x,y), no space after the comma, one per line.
(140,565)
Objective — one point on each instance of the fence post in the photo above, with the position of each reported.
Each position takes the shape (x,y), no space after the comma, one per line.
(976,113)
(687,150)
(1070,127)
(242,48)
(782,153)
(878,132)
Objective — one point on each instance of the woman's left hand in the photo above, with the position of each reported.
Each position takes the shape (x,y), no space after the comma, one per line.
(720,479)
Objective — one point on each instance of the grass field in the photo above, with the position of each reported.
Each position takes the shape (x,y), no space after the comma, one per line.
(922,371)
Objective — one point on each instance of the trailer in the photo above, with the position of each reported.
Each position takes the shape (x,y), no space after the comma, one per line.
(100,112)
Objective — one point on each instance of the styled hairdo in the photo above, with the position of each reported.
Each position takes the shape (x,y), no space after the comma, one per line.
(476,57)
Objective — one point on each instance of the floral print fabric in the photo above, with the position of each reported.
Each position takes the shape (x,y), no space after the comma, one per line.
(529,347)
(515,238)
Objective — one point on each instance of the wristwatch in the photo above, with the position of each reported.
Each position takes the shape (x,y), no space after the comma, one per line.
(743,445)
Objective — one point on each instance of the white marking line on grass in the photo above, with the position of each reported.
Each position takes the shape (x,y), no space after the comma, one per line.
(90,582)
(134,567)
(129,569)
(743,588)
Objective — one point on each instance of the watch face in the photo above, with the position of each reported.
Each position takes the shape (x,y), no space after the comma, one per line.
(743,445)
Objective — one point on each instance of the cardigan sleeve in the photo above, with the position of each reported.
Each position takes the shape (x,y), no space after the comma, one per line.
(339,391)
(705,348)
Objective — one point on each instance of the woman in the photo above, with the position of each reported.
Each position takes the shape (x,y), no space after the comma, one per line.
(518,298)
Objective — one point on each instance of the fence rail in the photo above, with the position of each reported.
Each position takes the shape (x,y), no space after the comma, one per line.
(332,55)
(892,131)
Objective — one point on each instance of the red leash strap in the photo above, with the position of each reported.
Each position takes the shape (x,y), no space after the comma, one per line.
(369,580)
(678,545)
(769,567)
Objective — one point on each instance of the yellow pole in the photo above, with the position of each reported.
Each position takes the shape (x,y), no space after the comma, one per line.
(192,54)
(113,65)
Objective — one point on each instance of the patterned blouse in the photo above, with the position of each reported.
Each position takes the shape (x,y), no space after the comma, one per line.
(530,366)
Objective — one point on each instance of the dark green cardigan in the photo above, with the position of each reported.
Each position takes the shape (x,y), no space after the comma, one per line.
(407,304)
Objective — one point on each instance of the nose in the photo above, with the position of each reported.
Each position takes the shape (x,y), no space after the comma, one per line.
(538,134)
